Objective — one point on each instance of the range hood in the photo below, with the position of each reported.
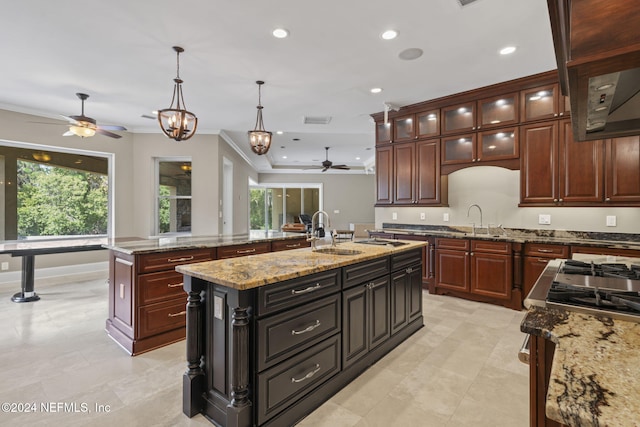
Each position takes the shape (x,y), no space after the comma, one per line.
(597,46)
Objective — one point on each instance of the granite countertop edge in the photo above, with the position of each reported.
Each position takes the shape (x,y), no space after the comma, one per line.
(248,272)
(594,378)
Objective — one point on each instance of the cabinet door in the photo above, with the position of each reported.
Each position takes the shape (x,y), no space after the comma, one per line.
(399,296)
(491,275)
(383,133)
(403,128)
(414,277)
(539,103)
(459,118)
(581,168)
(498,111)
(623,170)
(498,145)
(354,324)
(379,312)
(459,149)
(538,163)
(533,267)
(428,172)
(452,269)
(404,166)
(384,175)
(428,124)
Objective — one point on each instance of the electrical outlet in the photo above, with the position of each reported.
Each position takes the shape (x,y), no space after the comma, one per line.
(394,215)
(423,216)
(5,266)
(445,217)
(544,219)
(611,220)
(336,211)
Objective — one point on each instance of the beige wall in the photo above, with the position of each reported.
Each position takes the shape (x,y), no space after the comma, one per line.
(352,195)
(497,191)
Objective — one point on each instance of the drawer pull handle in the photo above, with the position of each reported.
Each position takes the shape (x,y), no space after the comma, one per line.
(297,245)
(306,377)
(304,331)
(409,270)
(182,313)
(246,251)
(306,290)
(175,285)
(544,260)
(545,251)
(187,258)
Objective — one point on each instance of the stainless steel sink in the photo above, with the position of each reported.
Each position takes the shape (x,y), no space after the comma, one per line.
(381,242)
(337,251)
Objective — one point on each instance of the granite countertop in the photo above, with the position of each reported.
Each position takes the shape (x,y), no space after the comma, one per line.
(258,270)
(559,237)
(165,244)
(595,376)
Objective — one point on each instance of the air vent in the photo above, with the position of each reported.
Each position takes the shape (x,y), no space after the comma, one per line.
(316,120)
(465,2)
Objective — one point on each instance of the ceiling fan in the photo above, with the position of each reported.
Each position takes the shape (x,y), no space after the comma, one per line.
(84,126)
(328,164)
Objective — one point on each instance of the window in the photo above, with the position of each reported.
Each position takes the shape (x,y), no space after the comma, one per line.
(273,206)
(52,193)
(173,205)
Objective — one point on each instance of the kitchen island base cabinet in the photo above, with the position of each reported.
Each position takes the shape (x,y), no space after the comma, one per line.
(269,356)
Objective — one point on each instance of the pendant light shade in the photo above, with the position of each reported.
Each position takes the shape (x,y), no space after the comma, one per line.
(176,122)
(259,138)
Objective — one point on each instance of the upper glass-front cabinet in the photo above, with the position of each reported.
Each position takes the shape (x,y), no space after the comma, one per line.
(540,103)
(416,126)
(383,133)
(498,144)
(459,118)
(498,111)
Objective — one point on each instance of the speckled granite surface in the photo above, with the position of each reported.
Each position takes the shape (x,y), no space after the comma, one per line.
(516,235)
(595,376)
(165,244)
(257,270)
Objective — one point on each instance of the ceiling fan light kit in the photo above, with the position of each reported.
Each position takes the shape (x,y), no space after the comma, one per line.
(85,127)
(175,120)
(259,138)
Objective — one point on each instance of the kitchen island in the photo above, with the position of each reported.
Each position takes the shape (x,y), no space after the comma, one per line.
(271,337)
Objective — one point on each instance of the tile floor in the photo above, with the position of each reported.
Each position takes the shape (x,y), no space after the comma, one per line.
(461,369)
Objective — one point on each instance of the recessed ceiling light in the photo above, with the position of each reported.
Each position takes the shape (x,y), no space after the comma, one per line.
(389,35)
(284,157)
(410,54)
(605,86)
(279,132)
(357,158)
(376,90)
(507,50)
(280,33)
(601,108)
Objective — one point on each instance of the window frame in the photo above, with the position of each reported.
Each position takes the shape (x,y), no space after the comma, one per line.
(156,195)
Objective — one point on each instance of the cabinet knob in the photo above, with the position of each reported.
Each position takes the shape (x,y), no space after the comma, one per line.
(473,128)
(479,127)
(561,200)
(555,200)
(555,115)
(608,199)
(561,114)
(471,253)
(473,160)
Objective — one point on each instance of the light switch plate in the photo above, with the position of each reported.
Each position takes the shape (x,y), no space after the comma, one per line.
(218,312)
(394,215)
(445,217)
(544,219)
(423,216)
(5,266)
(611,220)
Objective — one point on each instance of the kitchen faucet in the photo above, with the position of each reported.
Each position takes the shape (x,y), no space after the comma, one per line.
(474,225)
(312,238)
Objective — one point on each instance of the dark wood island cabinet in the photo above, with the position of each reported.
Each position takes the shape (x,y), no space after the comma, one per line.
(271,337)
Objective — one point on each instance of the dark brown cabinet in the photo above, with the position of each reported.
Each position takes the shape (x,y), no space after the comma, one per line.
(289,244)
(384,175)
(536,258)
(556,170)
(383,133)
(541,103)
(501,110)
(622,171)
(452,264)
(486,146)
(422,125)
(406,290)
(491,269)
(416,174)
(459,118)
(233,251)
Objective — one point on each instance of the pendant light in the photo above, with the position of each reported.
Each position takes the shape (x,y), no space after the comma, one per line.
(259,138)
(175,121)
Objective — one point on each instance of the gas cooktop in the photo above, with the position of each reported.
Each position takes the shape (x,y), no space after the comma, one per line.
(608,289)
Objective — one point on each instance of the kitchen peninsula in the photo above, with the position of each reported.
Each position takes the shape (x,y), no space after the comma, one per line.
(270,337)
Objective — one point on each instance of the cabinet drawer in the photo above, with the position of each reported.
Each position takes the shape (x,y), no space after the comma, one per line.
(161,317)
(285,245)
(491,247)
(284,384)
(359,273)
(453,244)
(405,259)
(546,251)
(284,334)
(243,250)
(158,287)
(297,291)
(168,260)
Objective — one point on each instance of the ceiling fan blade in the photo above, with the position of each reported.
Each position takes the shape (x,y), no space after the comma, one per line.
(68,133)
(345,167)
(107,133)
(69,119)
(111,127)
(325,169)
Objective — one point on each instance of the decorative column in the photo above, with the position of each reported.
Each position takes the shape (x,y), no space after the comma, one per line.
(239,409)
(193,380)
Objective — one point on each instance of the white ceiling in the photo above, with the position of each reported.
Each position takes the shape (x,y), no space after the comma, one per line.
(120,53)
